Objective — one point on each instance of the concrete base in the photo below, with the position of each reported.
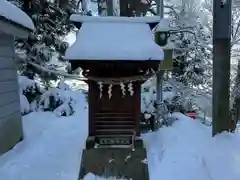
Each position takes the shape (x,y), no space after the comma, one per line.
(116,162)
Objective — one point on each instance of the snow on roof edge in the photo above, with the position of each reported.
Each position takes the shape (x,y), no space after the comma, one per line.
(9,21)
(115,59)
(146,19)
(95,42)
(164,25)
(15,15)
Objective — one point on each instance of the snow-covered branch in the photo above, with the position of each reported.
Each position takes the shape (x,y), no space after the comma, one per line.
(96,79)
(55,72)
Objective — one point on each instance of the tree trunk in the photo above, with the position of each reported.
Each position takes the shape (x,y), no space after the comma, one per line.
(236,113)
(116,8)
(84,6)
(236,95)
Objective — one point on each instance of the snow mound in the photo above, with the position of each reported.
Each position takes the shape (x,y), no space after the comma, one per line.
(186,150)
(51,149)
(222,156)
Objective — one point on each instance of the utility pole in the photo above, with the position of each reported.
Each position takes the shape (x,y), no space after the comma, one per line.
(160,12)
(221,65)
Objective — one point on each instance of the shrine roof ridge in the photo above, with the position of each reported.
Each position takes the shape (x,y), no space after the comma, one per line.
(118,19)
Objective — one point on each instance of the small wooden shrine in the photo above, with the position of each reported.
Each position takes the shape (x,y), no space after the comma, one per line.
(116,54)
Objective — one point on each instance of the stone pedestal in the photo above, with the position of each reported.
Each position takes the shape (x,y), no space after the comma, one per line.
(120,162)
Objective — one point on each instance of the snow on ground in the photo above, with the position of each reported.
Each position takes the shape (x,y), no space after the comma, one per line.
(51,149)
(185,151)
(177,153)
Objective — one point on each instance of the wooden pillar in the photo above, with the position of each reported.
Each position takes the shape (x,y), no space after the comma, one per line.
(91,108)
(221,66)
(109,7)
(137,112)
(125,8)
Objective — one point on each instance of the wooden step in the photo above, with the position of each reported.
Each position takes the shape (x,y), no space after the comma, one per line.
(118,130)
(114,131)
(110,113)
(109,120)
(127,115)
(113,117)
(113,127)
(114,122)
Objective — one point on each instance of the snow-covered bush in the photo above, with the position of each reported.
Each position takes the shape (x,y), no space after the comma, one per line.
(29,88)
(62,85)
(29,91)
(57,100)
(148,102)
(174,100)
(25,106)
(33,97)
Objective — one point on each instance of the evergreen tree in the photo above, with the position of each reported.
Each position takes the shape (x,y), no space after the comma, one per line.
(191,57)
(191,41)
(46,43)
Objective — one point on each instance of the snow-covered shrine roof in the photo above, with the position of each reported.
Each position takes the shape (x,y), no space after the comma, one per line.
(10,12)
(115,38)
(79,19)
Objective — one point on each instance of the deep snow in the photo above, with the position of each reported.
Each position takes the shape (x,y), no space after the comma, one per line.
(51,149)
(185,151)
